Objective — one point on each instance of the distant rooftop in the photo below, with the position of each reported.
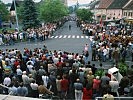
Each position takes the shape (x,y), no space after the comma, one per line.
(118,4)
(129,6)
(104,4)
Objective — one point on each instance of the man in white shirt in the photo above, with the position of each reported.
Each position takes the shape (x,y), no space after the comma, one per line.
(7,81)
(25,78)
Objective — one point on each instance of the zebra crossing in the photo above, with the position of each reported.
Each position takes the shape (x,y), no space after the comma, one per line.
(70,36)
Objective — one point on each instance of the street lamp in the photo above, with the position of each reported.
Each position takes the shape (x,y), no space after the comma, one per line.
(16,15)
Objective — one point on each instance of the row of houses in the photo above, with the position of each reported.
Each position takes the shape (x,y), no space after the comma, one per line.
(112,9)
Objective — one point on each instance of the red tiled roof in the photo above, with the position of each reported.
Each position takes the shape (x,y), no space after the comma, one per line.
(129,6)
(104,4)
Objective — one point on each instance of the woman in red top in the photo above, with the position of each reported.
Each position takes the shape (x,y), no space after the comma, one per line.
(87,92)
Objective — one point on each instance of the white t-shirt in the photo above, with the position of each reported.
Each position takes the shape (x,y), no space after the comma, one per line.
(105,51)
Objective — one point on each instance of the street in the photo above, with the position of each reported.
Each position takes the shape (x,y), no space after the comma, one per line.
(63,39)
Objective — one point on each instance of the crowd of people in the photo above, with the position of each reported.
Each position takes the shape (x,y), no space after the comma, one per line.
(67,75)
(34,73)
(109,43)
(32,34)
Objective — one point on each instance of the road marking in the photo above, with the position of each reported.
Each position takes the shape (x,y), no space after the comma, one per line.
(78,36)
(56,37)
(82,37)
(52,37)
(73,36)
(64,36)
(60,36)
(87,37)
(69,36)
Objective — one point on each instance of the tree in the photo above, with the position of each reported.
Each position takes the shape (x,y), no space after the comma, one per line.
(30,15)
(4,13)
(84,14)
(20,9)
(52,10)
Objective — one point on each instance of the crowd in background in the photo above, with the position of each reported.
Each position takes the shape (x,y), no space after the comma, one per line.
(32,34)
(109,43)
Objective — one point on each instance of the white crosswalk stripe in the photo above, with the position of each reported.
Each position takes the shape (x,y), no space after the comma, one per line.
(64,36)
(73,36)
(82,37)
(87,37)
(78,36)
(69,36)
(52,37)
(56,37)
(60,36)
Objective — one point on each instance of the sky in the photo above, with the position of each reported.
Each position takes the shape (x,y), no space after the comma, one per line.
(70,2)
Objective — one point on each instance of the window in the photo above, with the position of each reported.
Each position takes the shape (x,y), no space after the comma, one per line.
(125,13)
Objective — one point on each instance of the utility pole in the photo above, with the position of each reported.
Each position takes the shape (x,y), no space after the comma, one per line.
(16,15)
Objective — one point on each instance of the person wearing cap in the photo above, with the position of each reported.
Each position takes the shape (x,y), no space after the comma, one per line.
(78,89)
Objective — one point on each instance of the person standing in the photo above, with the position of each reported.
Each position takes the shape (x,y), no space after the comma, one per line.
(86,48)
(69,27)
(87,93)
(64,86)
(94,53)
(132,54)
(114,86)
(78,90)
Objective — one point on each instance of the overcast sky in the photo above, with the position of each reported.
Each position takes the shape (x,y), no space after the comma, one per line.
(70,2)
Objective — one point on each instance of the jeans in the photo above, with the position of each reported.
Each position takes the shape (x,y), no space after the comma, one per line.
(104,58)
(78,94)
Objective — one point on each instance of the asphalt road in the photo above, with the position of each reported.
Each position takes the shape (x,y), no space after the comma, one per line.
(63,39)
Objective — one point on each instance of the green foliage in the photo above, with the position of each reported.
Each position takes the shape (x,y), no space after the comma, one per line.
(20,9)
(100,72)
(84,14)
(30,15)
(4,13)
(123,67)
(52,10)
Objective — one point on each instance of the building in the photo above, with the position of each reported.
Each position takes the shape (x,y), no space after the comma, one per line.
(12,9)
(128,12)
(114,11)
(102,9)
